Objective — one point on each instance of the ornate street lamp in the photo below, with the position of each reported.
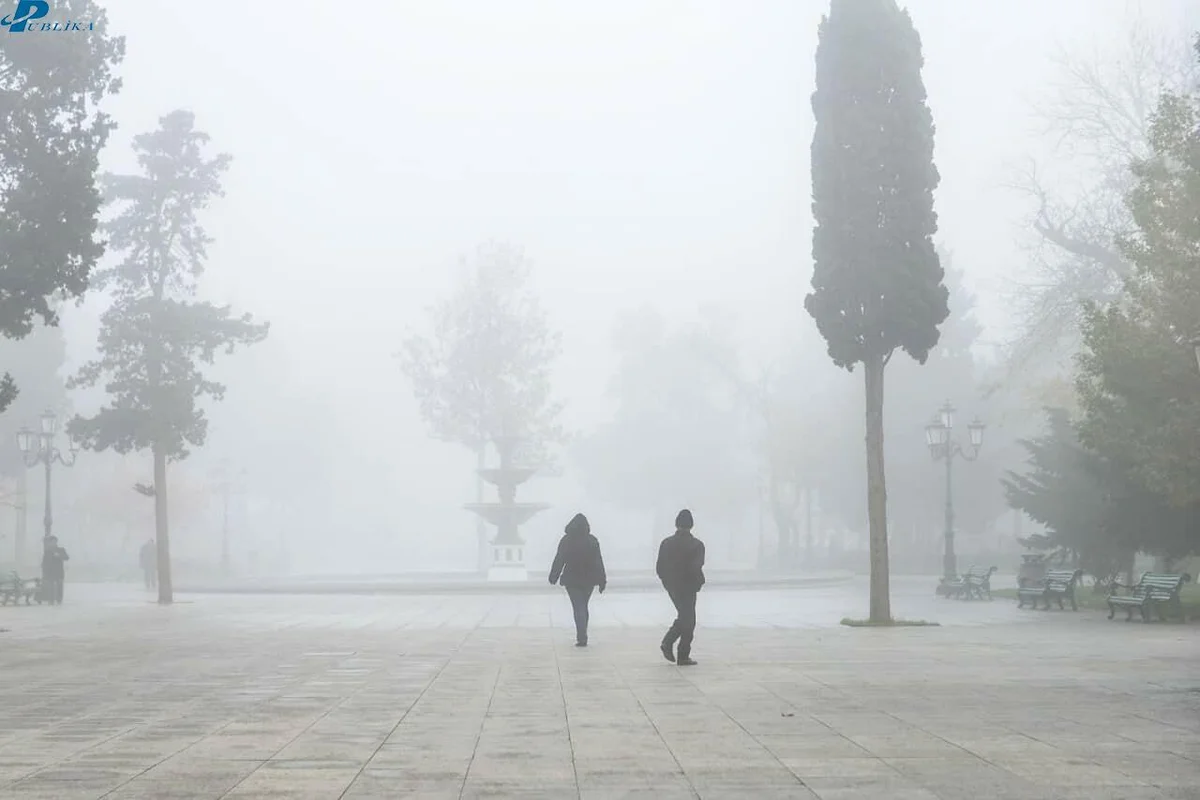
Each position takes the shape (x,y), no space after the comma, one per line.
(939,435)
(37,447)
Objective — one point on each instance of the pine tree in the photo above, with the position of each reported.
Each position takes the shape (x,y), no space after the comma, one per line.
(156,336)
(877,280)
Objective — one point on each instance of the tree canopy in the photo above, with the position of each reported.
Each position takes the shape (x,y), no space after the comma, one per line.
(483,369)
(1124,478)
(1138,377)
(1098,113)
(51,135)
(877,281)
(1095,513)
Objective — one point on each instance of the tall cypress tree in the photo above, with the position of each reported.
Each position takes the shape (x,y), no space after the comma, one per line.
(877,280)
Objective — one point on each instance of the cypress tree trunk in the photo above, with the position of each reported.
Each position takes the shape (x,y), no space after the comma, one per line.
(881,607)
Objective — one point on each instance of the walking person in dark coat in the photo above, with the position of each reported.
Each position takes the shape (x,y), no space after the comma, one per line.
(54,559)
(681,569)
(579,567)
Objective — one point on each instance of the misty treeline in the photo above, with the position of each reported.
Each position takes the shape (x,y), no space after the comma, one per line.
(1092,410)
(135,239)
(1115,473)
(697,419)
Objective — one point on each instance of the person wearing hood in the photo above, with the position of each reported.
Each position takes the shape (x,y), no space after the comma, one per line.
(579,568)
(680,567)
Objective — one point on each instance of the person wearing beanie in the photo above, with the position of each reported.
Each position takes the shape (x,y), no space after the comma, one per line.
(579,568)
(681,569)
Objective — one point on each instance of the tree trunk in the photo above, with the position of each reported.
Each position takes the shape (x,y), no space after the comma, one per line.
(881,605)
(760,560)
(161,532)
(808,527)
(783,530)
(482,556)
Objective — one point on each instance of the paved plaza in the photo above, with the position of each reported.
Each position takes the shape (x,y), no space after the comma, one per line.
(361,697)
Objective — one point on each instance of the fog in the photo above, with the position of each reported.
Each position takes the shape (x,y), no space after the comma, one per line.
(652,160)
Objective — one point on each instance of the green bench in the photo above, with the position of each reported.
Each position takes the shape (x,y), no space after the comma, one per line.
(15,588)
(1156,590)
(975,583)
(1056,584)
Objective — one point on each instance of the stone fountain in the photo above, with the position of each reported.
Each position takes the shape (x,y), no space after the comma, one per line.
(508,548)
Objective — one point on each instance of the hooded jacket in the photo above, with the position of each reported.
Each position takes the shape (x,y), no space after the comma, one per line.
(578,562)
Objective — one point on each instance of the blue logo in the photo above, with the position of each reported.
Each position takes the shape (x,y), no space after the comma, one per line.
(22,20)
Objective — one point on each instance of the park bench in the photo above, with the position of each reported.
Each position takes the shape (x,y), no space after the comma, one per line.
(1057,584)
(15,588)
(1156,590)
(974,583)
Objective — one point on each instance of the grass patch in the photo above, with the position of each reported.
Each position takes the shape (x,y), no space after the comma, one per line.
(895,623)
(1189,596)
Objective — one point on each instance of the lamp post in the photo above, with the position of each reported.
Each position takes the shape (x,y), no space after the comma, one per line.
(38,447)
(228,481)
(939,435)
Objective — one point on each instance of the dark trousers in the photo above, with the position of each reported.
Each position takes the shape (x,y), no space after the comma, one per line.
(53,591)
(684,626)
(580,595)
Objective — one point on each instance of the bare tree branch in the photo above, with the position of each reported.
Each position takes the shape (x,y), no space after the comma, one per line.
(1096,115)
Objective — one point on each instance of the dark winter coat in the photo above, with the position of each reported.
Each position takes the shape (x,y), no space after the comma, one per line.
(53,561)
(680,564)
(578,562)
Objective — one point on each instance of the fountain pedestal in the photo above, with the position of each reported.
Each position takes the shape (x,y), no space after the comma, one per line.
(508,564)
(508,548)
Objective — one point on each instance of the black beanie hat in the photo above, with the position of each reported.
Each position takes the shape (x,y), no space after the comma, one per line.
(578,524)
(683,520)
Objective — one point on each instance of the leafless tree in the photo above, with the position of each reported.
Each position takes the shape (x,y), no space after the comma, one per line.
(1095,118)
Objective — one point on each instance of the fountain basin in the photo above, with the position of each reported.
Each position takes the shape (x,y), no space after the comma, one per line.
(505,515)
(506,476)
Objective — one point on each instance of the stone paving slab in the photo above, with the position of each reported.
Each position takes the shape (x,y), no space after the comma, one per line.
(363,698)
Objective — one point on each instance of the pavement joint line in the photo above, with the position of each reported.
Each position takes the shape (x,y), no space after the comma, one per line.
(562,688)
(658,732)
(479,736)
(399,722)
(290,741)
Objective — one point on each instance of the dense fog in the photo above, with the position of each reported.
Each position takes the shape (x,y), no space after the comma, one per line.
(649,162)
